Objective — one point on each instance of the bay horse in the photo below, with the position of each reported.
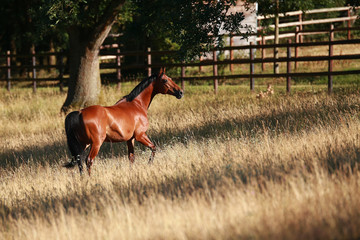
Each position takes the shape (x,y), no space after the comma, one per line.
(125,121)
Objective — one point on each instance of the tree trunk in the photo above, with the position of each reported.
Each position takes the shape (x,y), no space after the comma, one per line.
(84,83)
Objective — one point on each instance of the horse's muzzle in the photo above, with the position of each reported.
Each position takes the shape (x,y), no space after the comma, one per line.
(178,94)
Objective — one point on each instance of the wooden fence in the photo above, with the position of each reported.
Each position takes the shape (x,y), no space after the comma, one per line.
(118,65)
(301,22)
(31,68)
(291,61)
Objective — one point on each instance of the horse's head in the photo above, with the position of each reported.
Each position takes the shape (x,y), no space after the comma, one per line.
(166,85)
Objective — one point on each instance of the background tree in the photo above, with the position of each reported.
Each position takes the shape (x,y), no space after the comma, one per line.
(22,32)
(17,26)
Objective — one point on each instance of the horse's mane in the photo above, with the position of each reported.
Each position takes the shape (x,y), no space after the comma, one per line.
(139,88)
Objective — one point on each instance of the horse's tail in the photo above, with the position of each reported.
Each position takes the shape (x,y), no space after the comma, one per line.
(72,125)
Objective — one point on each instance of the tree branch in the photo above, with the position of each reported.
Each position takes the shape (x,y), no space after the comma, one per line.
(105,23)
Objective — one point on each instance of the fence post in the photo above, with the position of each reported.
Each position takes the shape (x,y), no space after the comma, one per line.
(330,61)
(118,69)
(200,67)
(300,27)
(297,38)
(182,76)
(61,72)
(348,24)
(231,53)
(215,72)
(288,70)
(251,67)
(263,53)
(148,61)
(276,56)
(34,70)
(8,75)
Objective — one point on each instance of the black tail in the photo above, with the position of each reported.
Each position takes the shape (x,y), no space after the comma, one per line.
(72,125)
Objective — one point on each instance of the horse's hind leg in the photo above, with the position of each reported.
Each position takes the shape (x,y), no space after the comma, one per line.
(79,162)
(95,147)
(130,144)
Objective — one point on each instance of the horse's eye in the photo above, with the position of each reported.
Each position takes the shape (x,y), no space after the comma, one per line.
(165,81)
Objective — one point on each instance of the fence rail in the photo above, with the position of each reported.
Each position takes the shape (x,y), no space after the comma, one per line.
(118,63)
(312,11)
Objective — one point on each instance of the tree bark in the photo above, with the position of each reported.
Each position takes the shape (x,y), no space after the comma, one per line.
(84,83)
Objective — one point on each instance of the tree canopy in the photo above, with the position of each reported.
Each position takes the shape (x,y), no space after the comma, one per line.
(186,23)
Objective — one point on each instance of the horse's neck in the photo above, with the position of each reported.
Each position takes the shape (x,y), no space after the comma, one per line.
(145,97)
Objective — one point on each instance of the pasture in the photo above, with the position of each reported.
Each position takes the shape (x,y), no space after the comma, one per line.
(228,166)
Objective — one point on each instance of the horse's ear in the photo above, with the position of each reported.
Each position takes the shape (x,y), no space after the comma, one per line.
(162,71)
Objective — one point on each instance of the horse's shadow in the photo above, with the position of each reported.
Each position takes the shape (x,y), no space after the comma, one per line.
(55,153)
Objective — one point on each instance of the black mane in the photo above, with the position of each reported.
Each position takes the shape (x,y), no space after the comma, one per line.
(140,87)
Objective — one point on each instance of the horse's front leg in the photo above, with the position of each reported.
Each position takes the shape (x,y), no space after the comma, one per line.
(144,139)
(130,144)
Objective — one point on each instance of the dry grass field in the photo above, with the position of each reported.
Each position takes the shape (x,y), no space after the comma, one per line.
(227,167)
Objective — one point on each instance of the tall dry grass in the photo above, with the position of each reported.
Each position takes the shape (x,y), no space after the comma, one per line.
(228,166)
